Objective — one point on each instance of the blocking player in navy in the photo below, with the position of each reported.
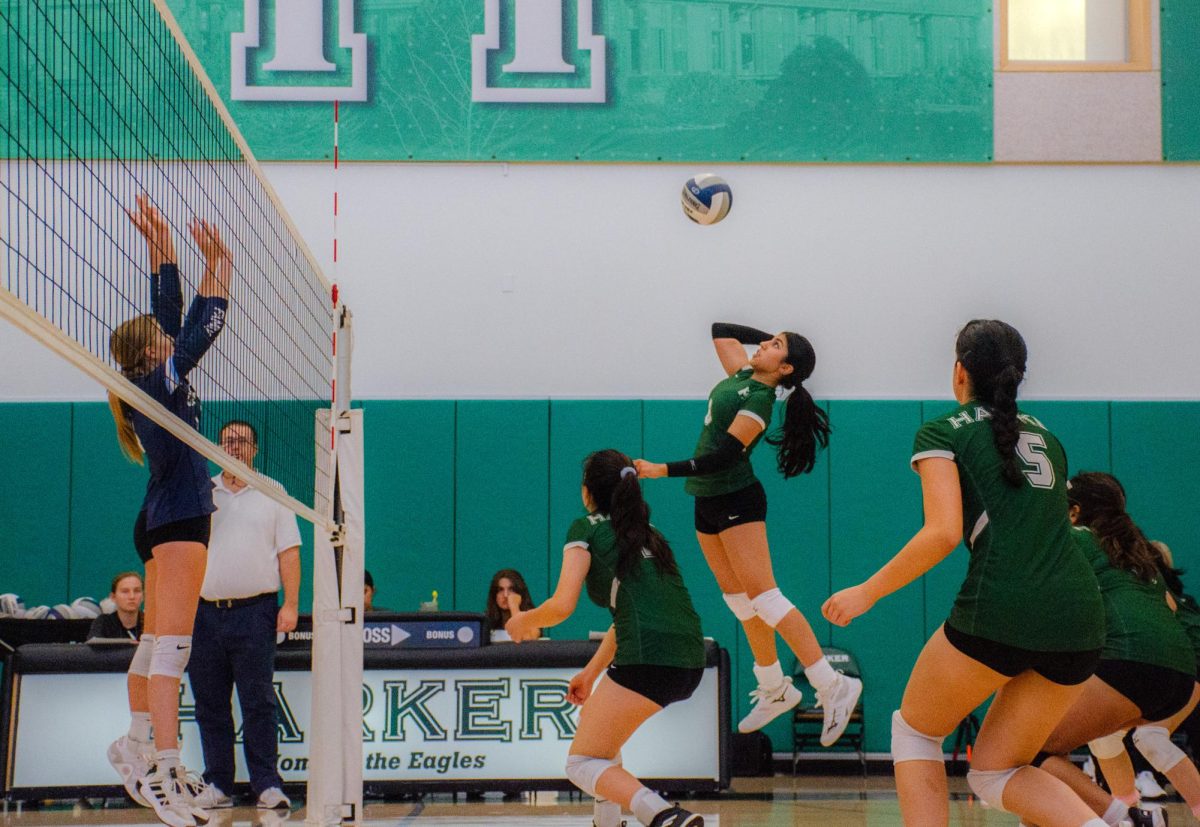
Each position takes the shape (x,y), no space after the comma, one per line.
(1147,670)
(731,512)
(158,353)
(1027,624)
(652,655)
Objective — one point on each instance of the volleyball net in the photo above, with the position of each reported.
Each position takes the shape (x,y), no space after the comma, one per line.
(100,103)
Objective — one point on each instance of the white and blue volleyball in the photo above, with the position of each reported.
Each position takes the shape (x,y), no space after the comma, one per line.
(706,198)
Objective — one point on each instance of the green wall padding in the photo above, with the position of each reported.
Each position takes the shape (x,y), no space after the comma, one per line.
(409,458)
(457,490)
(1180,29)
(875,506)
(1155,454)
(35,512)
(502,511)
(106,493)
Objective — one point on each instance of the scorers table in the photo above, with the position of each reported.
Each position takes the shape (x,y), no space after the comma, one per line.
(442,710)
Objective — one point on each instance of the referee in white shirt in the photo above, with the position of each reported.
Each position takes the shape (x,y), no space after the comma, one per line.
(253,551)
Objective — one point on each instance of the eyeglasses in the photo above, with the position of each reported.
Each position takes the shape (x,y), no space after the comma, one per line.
(236,441)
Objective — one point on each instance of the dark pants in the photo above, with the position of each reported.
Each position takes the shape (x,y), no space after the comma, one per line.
(236,647)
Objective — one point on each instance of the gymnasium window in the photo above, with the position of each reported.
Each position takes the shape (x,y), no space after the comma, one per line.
(1074,35)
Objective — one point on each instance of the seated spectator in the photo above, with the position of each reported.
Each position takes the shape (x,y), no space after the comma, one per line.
(369,595)
(126,621)
(507,585)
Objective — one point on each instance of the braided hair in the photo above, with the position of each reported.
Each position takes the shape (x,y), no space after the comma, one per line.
(993,354)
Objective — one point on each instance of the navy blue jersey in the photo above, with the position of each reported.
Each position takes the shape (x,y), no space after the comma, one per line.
(179,486)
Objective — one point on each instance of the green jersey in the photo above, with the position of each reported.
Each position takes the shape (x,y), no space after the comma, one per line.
(1028,585)
(1140,625)
(652,612)
(1188,616)
(738,395)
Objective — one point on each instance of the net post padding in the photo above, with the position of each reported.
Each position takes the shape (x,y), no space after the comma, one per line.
(335,779)
(37,326)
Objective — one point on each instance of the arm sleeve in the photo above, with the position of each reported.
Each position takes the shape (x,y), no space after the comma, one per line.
(744,334)
(97,627)
(166,298)
(728,451)
(205,319)
(932,440)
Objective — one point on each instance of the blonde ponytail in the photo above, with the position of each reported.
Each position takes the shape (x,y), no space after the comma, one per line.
(130,445)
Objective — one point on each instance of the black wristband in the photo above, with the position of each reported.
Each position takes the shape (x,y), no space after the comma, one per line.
(728,451)
(744,334)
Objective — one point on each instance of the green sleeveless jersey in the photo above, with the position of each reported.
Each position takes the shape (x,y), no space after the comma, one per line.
(1028,584)
(652,612)
(734,396)
(1140,625)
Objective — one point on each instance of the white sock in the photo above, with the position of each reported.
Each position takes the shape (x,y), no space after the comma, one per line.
(769,676)
(139,727)
(1115,813)
(647,804)
(821,675)
(166,759)
(606,813)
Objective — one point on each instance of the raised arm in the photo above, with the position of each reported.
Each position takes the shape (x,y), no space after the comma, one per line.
(729,339)
(731,447)
(206,316)
(942,531)
(166,296)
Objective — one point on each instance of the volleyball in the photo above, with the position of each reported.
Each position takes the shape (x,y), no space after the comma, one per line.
(60,611)
(86,607)
(706,198)
(11,605)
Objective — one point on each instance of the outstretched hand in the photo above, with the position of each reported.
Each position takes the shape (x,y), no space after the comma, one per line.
(649,470)
(153,227)
(218,261)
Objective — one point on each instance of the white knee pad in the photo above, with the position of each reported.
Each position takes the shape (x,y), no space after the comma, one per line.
(584,771)
(1155,743)
(989,785)
(171,653)
(740,605)
(140,665)
(1109,746)
(771,606)
(910,745)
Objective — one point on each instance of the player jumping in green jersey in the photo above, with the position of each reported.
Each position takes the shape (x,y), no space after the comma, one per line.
(731,512)
(1027,624)
(652,655)
(1148,667)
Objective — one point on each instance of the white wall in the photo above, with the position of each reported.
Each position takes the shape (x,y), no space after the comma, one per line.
(612,289)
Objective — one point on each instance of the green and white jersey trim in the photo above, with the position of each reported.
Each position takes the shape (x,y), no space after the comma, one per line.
(754,416)
(920,455)
(980,525)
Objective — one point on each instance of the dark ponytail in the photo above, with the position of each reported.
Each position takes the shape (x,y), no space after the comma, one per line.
(993,354)
(1101,501)
(612,482)
(804,424)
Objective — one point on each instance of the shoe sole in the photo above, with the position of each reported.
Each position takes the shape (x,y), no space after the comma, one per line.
(787,708)
(832,737)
